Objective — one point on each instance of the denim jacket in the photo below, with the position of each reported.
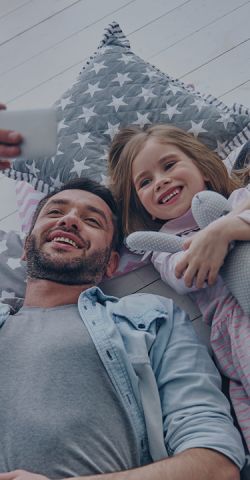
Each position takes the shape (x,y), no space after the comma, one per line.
(163,374)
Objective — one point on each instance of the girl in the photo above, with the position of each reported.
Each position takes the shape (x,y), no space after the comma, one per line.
(155,174)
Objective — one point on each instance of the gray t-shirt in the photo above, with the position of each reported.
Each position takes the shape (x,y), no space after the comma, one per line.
(60,415)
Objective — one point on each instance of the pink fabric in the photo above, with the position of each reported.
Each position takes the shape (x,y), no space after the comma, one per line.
(230,327)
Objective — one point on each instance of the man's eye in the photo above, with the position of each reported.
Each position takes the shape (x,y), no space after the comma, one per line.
(54,211)
(93,221)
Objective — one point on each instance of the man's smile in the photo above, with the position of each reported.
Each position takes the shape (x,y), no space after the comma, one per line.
(67,239)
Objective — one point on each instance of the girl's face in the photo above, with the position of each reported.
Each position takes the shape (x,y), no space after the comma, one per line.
(166,180)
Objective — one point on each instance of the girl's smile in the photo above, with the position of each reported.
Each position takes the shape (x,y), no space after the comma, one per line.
(165,179)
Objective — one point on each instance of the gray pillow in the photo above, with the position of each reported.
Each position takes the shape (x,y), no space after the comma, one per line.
(117,88)
(12,269)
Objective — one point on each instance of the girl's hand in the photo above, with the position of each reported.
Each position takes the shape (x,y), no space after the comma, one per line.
(205,253)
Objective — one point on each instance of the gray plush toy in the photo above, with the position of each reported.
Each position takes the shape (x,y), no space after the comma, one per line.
(207,206)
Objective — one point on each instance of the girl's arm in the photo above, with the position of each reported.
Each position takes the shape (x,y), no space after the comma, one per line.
(165,263)
(205,252)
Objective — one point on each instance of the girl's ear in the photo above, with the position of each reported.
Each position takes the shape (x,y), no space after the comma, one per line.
(113,263)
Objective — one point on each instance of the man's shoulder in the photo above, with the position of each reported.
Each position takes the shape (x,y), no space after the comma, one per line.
(142,303)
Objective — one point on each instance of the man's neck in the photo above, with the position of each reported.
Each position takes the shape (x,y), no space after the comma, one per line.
(48,294)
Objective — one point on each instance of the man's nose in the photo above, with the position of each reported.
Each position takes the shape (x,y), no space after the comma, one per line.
(70,220)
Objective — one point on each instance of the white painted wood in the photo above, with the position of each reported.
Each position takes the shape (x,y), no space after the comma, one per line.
(225,73)
(73,50)
(11,222)
(239,94)
(55,30)
(29,15)
(8,7)
(194,52)
(179,24)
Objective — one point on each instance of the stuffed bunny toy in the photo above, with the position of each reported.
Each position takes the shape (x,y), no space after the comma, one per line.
(207,206)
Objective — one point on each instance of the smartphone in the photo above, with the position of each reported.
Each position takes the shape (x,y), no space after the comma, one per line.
(38,129)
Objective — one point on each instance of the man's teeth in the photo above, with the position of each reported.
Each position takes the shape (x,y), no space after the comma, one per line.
(172,194)
(65,240)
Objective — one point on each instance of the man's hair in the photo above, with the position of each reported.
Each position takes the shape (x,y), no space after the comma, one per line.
(88,185)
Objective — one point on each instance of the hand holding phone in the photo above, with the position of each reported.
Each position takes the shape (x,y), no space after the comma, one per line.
(36,128)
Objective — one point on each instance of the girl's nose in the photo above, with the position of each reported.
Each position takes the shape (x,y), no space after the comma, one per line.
(161,182)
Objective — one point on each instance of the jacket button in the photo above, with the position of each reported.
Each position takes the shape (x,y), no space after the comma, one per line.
(141,325)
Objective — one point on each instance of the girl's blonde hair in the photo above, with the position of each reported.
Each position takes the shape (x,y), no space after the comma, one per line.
(126,146)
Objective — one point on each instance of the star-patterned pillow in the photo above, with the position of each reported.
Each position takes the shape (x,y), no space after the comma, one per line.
(117,88)
(12,269)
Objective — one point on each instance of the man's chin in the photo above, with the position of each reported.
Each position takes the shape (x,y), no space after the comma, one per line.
(62,268)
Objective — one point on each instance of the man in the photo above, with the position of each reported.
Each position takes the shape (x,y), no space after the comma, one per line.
(92,385)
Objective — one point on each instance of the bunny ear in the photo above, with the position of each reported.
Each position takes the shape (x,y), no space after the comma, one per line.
(141,242)
(207,206)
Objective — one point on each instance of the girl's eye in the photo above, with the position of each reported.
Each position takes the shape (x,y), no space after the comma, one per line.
(144,182)
(168,165)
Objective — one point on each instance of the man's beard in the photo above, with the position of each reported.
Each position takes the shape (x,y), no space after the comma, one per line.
(79,271)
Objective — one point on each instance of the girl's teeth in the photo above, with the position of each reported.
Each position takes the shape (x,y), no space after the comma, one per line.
(165,199)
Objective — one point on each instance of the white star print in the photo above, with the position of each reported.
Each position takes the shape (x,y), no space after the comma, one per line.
(198,103)
(83,139)
(56,181)
(142,119)
(146,93)
(98,66)
(14,263)
(3,246)
(171,111)
(150,73)
(65,102)
(87,113)
(32,168)
(127,58)
(93,88)
(174,89)
(6,294)
(220,146)
(116,102)
(112,130)
(79,167)
(61,125)
(225,119)
(196,128)
(122,78)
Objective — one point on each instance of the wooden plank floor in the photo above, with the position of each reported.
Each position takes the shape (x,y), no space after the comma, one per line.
(43,45)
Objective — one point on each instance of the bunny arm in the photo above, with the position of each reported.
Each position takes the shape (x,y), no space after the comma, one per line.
(141,242)
(207,206)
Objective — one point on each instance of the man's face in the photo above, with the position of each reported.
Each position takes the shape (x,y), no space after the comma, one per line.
(71,240)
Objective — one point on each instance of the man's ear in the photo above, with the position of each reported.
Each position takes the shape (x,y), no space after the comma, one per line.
(112,264)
